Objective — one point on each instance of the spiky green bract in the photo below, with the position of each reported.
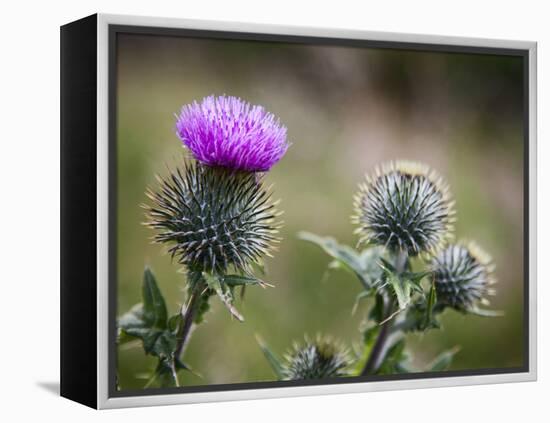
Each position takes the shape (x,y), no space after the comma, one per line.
(404,206)
(213,219)
(321,358)
(463,274)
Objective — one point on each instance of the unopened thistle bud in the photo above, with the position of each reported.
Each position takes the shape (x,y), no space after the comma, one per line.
(404,206)
(463,275)
(213,218)
(322,358)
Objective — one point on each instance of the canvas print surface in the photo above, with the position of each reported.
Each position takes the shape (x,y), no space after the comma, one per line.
(298,212)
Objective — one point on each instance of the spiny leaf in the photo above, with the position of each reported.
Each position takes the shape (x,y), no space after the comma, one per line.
(363,265)
(239,280)
(401,288)
(395,360)
(223,292)
(485,313)
(167,374)
(272,359)
(180,365)
(154,306)
(133,323)
(369,259)
(174,322)
(443,360)
(203,308)
(416,277)
(377,311)
(386,265)
(151,313)
(361,296)
(125,339)
(159,343)
(148,321)
(419,318)
(369,338)
(432,299)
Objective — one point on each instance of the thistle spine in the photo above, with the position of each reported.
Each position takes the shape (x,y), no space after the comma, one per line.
(213,219)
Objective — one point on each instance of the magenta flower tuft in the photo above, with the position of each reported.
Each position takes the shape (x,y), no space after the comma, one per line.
(229,132)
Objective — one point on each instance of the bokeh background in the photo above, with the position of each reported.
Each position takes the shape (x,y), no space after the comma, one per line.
(346,110)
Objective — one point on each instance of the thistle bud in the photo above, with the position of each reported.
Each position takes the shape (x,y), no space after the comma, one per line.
(213,218)
(404,206)
(322,358)
(463,275)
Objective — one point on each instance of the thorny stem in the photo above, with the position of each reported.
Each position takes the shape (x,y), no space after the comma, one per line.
(379,347)
(175,374)
(188,317)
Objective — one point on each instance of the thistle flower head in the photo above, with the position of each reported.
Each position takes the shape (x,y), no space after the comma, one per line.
(463,275)
(321,358)
(229,132)
(404,206)
(213,218)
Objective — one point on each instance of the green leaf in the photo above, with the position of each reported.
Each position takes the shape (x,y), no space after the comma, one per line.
(148,321)
(416,277)
(240,280)
(395,360)
(386,265)
(485,313)
(377,311)
(422,315)
(361,296)
(203,308)
(224,293)
(419,318)
(133,322)
(401,288)
(124,337)
(174,321)
(443,360)
(369,260)
(271,358)
(432,300)
(154,306)
(369,338)
(180,365)
(167,374)
(159,343)
(363,265)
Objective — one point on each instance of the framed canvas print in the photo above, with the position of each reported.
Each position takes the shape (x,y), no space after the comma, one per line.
(254,211)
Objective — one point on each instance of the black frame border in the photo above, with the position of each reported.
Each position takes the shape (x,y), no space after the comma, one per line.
(115,29)
(78,211)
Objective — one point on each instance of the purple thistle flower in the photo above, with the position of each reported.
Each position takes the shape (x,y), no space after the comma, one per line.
(229,132)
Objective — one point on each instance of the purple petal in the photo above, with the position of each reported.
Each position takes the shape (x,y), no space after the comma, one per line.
(229,132)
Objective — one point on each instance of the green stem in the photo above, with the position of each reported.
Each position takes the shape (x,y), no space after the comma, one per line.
(401,261)
(379,348)
(184,329)
(375,355)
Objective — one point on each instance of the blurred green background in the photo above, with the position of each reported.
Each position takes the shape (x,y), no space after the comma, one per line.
(346,110)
